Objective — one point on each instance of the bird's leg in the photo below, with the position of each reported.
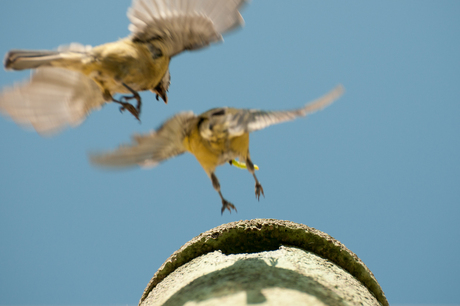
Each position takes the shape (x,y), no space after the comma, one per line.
(225,204)
(258,188)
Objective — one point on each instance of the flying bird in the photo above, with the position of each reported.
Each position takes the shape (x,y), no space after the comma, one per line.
(217,136)
(70,82)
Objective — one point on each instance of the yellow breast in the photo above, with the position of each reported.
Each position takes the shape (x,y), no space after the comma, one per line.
(212,154)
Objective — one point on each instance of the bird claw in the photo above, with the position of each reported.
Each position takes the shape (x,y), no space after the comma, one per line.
(133,110)
(227,205)
(259,190)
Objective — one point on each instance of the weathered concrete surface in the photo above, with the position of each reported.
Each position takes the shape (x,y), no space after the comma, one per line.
(241,263)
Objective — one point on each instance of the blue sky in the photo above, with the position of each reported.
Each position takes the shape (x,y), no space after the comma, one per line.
(378,170)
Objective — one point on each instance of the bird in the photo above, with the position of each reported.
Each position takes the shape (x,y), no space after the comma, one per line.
(215,137)
(70,82)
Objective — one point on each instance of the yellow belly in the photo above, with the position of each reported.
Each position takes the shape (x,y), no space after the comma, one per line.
(212,154)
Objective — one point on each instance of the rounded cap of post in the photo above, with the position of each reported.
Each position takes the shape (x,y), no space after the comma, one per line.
(259,235)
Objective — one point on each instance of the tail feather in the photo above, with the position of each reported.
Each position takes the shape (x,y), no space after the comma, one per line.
(26,59)
(30,59)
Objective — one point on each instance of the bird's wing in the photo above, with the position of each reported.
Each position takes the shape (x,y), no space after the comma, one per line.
(252,120)
(184,24)
(150,149)
(51,100)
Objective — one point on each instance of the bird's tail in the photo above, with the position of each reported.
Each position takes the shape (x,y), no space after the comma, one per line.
(25,59)
(31,59)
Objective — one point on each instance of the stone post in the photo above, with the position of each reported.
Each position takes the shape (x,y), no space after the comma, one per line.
(264,262)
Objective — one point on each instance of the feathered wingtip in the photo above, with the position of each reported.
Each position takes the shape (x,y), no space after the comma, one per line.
(150,149)
(126,156)
(51,100)
(238,20)
(324,101)
(224,14)
(184,25)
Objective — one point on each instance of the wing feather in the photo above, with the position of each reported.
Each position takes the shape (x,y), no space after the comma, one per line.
(253,120)
(184,25)
(150,149)
(51,100)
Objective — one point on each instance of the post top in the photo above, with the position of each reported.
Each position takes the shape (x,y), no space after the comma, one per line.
(258,235)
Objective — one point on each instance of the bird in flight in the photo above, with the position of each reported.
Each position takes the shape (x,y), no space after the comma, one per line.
(215,137)
(70,82)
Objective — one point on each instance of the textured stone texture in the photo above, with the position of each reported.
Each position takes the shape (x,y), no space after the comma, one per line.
(315,268)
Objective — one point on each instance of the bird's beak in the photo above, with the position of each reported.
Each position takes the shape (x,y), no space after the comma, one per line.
(163,96)
(160,93)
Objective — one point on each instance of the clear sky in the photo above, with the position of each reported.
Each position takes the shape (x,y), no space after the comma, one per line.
(379,170)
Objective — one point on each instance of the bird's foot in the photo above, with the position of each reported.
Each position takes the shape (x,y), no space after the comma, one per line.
(134,96)
(125,99)
(130,108)
(259,190)
(227,205)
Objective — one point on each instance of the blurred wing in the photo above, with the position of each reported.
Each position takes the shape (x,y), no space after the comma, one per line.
(51,100)
(150,149)
(253,120)
(184,24)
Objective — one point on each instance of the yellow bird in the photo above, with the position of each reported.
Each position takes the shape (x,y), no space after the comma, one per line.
(215,137)
(72,81)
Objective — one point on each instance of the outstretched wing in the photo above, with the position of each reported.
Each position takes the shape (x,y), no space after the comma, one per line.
(150,149)
(253,120)
(184,24)
(51,100)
